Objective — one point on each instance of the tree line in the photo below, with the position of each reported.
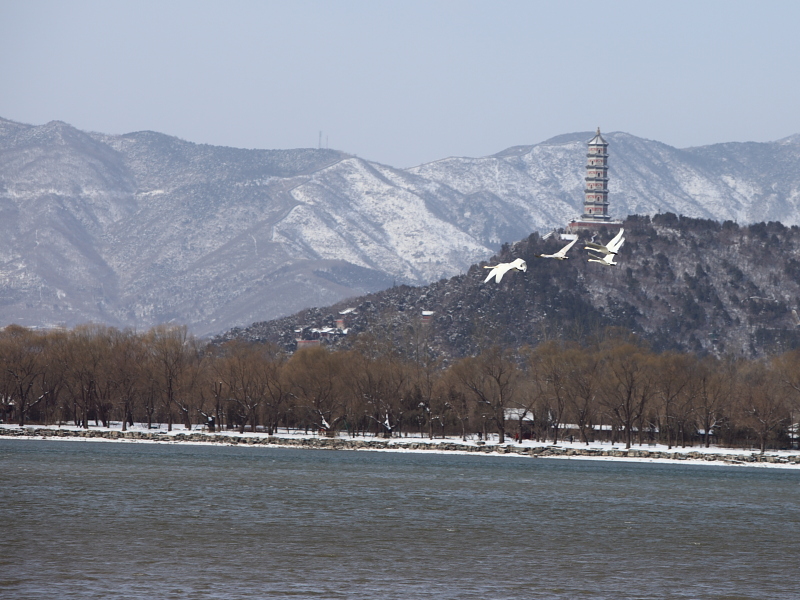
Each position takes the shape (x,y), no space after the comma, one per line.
(614,389)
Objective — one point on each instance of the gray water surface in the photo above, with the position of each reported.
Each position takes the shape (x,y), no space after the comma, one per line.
(145,521)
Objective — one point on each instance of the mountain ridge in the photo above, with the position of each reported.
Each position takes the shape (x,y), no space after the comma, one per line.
(145,228)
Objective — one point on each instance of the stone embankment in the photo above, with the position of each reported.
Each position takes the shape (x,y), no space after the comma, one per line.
(376,444)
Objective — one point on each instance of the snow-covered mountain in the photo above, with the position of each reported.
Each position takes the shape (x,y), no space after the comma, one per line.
(144,228)
(543,184)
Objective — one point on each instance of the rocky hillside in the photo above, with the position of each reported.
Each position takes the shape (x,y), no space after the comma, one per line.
(681,283)
(144,228)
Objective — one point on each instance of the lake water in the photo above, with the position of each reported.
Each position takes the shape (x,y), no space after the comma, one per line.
(144,521)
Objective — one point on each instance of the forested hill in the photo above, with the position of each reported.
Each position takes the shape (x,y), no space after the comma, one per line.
(142,229)
(681,283)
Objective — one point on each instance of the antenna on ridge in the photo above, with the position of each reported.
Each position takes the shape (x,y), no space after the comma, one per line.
(320,140)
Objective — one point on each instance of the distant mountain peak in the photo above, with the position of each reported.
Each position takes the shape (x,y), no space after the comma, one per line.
(144,228)
(792,139)
(570,138)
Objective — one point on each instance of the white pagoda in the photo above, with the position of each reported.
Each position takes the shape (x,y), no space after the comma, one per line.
(595,199)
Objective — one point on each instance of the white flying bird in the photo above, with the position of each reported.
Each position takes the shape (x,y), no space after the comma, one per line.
(499,270)
(561,254)
(611,247)
(607,260)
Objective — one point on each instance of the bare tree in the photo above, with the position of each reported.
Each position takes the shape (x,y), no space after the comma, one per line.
(551,374)
(170,355)
(315,377)
(763,401)
(627,387)
(582,385)
(82,357)
(106,385)
(242,372)
(491,378)
(787,368)
(426,372)
(22,365)
(449,400)
(191,393)
(51,382)
(713,390)
(672,378)
(684,410)
(277,387)
(528,397)
(381,382)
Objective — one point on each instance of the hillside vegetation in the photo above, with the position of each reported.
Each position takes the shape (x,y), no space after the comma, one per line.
(682,284)
(615,389)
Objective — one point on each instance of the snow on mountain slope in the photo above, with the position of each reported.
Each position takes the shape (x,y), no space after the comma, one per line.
(352,211)
(739,182)
(144,228)
(504,187)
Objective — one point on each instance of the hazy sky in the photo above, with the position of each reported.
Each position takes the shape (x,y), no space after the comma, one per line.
(405,82)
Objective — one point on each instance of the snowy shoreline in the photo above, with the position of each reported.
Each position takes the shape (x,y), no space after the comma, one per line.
(527,449)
